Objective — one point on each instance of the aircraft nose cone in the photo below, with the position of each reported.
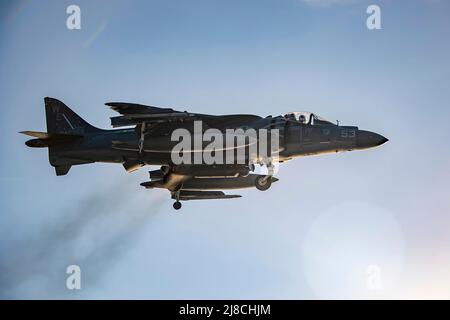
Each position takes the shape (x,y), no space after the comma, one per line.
(368,139)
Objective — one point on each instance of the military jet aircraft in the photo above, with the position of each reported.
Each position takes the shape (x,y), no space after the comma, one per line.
(145,137)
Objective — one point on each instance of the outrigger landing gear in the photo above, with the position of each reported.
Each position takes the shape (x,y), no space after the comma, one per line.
(176,196)
(177,205)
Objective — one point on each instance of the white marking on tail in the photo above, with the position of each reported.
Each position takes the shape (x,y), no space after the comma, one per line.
(71,126)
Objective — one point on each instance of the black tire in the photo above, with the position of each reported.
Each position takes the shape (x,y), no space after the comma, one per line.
(177,205)
(263,183)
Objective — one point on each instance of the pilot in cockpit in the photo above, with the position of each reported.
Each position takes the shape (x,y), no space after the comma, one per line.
(290,116)
(302,118)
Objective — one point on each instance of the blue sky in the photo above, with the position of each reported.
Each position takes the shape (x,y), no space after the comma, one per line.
(315,233)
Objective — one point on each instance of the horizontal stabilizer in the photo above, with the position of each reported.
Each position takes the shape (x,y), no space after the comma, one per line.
(37,143)
(45,139)
(36,134)
(46,135)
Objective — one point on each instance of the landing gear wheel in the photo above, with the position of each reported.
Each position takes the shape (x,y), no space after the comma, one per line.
(177,205)
(263,182)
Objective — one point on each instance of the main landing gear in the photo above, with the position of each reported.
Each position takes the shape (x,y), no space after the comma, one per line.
(263,183)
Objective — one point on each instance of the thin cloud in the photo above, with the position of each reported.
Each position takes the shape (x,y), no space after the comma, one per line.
(95,35)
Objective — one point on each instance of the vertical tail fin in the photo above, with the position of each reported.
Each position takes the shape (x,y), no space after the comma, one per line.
(61,119)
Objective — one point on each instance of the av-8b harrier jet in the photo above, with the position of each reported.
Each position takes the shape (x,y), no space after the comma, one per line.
(150,135)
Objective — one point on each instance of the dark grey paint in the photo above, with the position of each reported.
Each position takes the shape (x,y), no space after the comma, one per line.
(72,141)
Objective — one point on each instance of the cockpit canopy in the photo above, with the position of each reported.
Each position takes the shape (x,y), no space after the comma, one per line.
(306,117)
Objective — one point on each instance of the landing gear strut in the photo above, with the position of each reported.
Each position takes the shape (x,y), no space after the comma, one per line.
(177,205)
(142,137)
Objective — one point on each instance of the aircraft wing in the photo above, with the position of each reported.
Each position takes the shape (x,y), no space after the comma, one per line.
(190,187)
(126,108)
(134,114)
(204,195)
